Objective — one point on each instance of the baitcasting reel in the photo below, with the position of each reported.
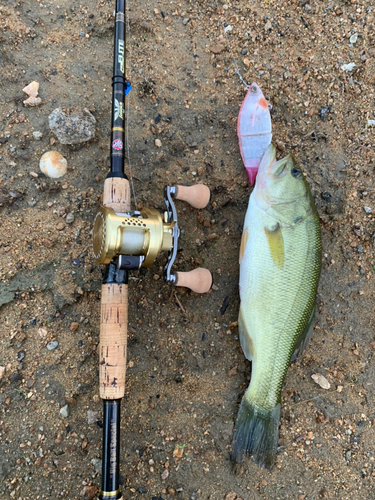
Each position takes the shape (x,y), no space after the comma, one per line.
(136,238)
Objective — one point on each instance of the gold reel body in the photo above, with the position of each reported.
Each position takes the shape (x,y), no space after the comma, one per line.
(138,233)
(135,239)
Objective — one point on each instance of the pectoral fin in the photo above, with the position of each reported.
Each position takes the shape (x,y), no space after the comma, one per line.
(245,339)
(304,338)
(276,245)
(245,237)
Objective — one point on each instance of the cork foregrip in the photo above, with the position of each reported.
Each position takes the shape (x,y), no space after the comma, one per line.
(114,310)
(116,194)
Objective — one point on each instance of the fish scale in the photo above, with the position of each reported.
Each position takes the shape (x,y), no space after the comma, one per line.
(280,261)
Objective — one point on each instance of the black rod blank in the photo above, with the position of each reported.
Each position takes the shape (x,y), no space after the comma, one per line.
(111,450)
(118,94)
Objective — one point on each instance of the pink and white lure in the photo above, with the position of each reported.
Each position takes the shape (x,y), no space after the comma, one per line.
(254,130)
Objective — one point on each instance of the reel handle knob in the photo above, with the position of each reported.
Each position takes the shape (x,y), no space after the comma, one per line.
(198,280)
(197,196)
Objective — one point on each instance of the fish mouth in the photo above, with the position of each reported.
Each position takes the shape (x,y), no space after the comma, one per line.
(270,167)
(265,166)
(278,168)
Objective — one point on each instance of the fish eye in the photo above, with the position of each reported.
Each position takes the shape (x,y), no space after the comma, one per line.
(253,89)
(296,172)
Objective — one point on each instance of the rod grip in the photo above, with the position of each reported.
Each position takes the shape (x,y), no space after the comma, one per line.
(116,194)
(114,309)
(112,343)
(198,280)
(197,196)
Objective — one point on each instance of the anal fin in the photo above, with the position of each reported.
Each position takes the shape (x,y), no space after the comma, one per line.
(245,339)
(304,338)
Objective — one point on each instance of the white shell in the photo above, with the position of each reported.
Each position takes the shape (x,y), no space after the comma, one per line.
(32,89)
(32,101)
(53,164)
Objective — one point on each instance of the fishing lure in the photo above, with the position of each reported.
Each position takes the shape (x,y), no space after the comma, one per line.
(254,130)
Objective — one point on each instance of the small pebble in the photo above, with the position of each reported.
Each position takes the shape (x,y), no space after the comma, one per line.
(142,490)
(92,417)
(165,475)
(323,114)
(97,465)
(368,210)
(64,411)
(37,135)
(216,49)
(359,248)
(47,243)
(89,492)
(69,218)
(348,67)
(319,379)
(353,38)
(42,332)
(158,143)
(2,372)
(21,355)
(52,345)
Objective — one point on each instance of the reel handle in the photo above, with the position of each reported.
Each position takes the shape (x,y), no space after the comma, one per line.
(197,196)
(199,280)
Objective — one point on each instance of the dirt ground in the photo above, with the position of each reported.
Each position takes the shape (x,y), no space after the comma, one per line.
(186,371)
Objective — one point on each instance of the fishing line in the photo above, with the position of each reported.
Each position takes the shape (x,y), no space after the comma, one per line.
(128,60)
(234,61)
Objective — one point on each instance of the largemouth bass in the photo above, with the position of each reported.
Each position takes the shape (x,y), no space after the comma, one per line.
(280,260)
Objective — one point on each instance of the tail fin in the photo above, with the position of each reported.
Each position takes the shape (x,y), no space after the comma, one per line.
(256,433)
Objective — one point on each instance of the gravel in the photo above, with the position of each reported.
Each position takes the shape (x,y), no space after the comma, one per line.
(52,345)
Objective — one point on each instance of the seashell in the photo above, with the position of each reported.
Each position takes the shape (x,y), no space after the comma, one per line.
(32,101)
(32,89)
(53,164)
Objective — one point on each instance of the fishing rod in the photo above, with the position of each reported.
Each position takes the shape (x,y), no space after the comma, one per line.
(124,241)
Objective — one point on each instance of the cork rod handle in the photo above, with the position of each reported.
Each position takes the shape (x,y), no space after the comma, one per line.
(197,196)
(114,309)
